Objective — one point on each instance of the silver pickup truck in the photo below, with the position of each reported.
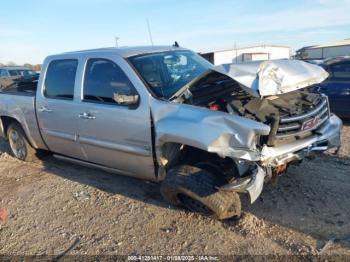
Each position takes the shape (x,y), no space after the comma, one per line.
(209,134)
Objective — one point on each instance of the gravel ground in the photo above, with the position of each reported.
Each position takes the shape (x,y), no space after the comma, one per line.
(53,205)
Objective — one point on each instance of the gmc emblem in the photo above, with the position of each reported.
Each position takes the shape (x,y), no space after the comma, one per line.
(311,123)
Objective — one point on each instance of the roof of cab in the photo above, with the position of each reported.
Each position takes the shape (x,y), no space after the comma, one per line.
(130,51)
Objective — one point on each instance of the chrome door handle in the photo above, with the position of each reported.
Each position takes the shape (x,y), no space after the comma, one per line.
(86,116)
(45,109)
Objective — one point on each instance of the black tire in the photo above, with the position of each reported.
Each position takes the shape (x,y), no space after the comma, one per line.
(19,145)
(196,189)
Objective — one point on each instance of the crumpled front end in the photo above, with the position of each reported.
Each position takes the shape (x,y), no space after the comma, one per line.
(216,132)
(261,135)
(237,138)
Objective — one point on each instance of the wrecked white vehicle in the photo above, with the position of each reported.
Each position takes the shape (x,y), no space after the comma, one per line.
(208,134)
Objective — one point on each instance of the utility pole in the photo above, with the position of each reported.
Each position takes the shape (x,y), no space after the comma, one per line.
(149,32)
(116,41)
(236,52)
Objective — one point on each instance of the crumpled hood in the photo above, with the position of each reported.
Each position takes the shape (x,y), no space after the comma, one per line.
(273,77)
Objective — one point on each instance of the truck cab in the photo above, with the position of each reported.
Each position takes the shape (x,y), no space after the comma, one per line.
(79,117)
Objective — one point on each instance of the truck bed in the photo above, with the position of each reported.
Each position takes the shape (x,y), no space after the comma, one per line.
(17,100)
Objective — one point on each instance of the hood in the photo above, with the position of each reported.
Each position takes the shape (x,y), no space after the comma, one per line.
(273,77)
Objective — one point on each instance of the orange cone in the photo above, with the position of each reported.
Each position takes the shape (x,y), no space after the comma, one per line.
(3,216)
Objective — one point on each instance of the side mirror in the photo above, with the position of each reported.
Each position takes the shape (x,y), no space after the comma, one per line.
(126,99)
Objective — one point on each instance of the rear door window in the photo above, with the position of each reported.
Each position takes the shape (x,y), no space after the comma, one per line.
(104,78)
(60,79)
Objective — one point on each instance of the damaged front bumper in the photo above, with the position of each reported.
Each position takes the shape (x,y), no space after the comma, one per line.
(327,137)
(252,184)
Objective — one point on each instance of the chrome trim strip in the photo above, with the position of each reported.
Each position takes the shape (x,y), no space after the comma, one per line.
(328,106)
(311,113)
(319,148)
(323,112)
(288,128)
(2,131)
(304,131)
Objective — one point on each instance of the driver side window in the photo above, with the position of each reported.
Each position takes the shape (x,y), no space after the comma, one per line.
(103,79)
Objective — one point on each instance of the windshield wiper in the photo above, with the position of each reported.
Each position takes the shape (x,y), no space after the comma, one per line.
(183,89)
(180,92)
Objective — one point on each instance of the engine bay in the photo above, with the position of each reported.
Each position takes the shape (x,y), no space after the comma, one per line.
(286,113)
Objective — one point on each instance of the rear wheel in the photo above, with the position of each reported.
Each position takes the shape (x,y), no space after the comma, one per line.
(19,145)
(196,189)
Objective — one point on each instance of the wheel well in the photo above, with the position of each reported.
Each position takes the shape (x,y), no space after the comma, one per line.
(6,122)
(174,154)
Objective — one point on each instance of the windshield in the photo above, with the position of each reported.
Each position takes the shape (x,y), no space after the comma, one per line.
(21,72)
(166,72)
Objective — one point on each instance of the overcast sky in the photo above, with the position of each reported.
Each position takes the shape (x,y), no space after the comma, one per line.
(33,29)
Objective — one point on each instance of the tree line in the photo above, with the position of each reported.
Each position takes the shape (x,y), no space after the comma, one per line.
(33,67)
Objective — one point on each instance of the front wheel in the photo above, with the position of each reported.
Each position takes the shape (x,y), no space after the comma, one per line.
(196,189)
(19,145)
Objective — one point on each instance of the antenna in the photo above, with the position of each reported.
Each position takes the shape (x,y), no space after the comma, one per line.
(116,41)
(149,32)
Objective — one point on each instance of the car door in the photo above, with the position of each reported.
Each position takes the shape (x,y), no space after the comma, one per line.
(337,88)
(57,111)
(111,134)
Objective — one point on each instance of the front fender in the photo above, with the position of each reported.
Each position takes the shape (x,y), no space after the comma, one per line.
(213,131)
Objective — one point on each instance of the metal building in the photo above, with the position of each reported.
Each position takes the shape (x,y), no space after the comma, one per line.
(240,55)
(334,49)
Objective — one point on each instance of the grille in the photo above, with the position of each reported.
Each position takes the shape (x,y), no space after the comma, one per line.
(293,125)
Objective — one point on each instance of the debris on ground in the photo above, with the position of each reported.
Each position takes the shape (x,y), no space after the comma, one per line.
(251,225)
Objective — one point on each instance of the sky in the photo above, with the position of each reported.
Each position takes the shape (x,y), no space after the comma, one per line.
(32,29)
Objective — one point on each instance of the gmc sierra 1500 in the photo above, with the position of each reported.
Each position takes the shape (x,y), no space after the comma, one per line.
(165,114)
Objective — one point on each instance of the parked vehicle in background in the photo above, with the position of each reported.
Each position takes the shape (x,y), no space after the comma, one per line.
(165,114)
(18,78)
(337,85)
(14,71)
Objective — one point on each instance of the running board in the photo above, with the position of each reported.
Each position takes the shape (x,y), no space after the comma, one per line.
(91,165)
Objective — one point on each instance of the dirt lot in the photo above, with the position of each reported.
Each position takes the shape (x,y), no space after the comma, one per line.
(55,205)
